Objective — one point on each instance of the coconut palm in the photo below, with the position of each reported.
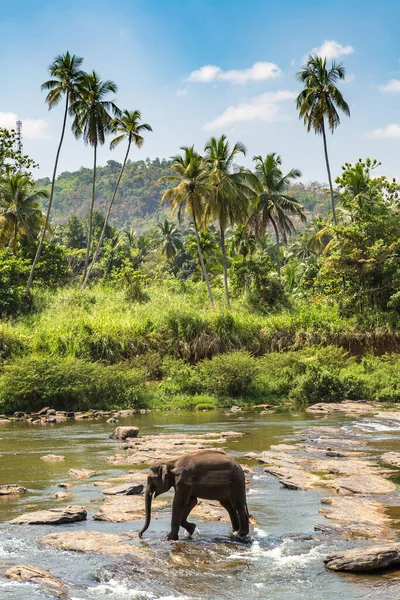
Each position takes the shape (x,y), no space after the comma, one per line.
(66,75)
(190,192)
(92,121)
(274,205)
(129,128)
(20,212)
(231,190)
(169,239)
(319,100)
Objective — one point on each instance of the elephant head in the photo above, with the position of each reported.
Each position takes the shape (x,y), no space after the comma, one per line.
(161,478)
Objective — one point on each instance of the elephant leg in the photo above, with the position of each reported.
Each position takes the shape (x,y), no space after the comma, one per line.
(179,505)
(232,514)
(190,527)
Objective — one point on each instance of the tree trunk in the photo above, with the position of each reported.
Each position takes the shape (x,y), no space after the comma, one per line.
(89,240)
(329,173)
(103,231)
(225,263)
(46,223)
(203,267)
(278,247)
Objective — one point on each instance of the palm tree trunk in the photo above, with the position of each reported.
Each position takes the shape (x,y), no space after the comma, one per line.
(46,223)
(89,240)
(329,173)
(225,263)
(203,267)
(278,247)
(103,231)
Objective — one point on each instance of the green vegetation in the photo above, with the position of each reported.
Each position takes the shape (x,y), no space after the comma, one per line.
(258,293)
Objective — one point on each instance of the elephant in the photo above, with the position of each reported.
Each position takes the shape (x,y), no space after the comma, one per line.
(208,474)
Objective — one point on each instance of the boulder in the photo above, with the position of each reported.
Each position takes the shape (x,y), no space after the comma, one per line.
(121,433)
(53,516)
(45,579)
(62,496)
(80,473)
(52,457)
(126,489)
(8,490)
(4,421)
(363,559)
(112,420)
(93,541)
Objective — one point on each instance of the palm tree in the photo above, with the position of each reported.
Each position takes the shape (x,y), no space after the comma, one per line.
(231,191)
(319,100)
(66,75)
(92,121)
(20,212)
(274,204)
(129,127)
(170,240)
(191,190)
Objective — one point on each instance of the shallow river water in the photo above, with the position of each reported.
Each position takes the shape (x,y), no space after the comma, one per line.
(283,559)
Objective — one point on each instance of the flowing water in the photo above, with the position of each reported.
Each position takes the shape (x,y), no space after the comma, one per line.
(283,560)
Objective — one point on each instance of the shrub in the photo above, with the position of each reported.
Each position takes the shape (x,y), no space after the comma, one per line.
(229,374)
(316,385)
(13,276)
(68,384)
(11,343)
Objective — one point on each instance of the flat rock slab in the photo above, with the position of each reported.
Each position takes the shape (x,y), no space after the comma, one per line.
(349,408)
(52,457)
(80,473)
(93,541)
(9,490)
(364,484)
(391,458)
(360,560)
(122,433)
(126,489)
(54,516)
(45,579)
(118,509)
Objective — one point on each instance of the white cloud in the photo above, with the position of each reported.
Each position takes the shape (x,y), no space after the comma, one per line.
(392,86)
(32,129)
(390,131)
(260,71)
(261,108)
(332,49)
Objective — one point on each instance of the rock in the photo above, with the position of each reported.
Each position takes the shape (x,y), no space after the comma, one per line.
(127,412)
(363,559)
(112,420)
(20,415)
(236,409)
(80,473)
(53,457)
(127,489)
(8,490)
(62,496)
(118,509)
(391,458)
(53,516)
(45,579)
(364,484)
(121,433)
(347,407)
(64,485)
(4,421)
(93,541)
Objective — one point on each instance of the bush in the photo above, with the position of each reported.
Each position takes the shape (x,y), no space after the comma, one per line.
(316,385)
(13,277)
(11,343)
(68,384)
(230,374)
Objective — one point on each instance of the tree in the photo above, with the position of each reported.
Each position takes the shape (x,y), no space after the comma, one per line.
(319,100)
(20,212)
(129,127)
(274,204)
(11,158)
(170,240)
(66,76)
(231,191)
(74,233)
(92,121)
(191,191)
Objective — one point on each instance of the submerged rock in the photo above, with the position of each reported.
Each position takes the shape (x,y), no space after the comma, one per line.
(364,559)
(80,473)
(8,490)
(93,541)
(52,457)
(122,433)
(391,458)
(45,579)
(53,516)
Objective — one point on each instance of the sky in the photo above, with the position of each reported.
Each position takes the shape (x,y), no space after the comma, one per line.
(200,68)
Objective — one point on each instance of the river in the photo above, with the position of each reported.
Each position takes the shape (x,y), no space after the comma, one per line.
(283,560)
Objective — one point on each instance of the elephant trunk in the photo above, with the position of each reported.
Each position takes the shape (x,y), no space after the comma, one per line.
(148,498)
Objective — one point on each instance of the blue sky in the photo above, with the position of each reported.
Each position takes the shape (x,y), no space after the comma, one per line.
(197,68)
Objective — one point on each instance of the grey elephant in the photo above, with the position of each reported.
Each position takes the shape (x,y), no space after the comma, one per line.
(208,474)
